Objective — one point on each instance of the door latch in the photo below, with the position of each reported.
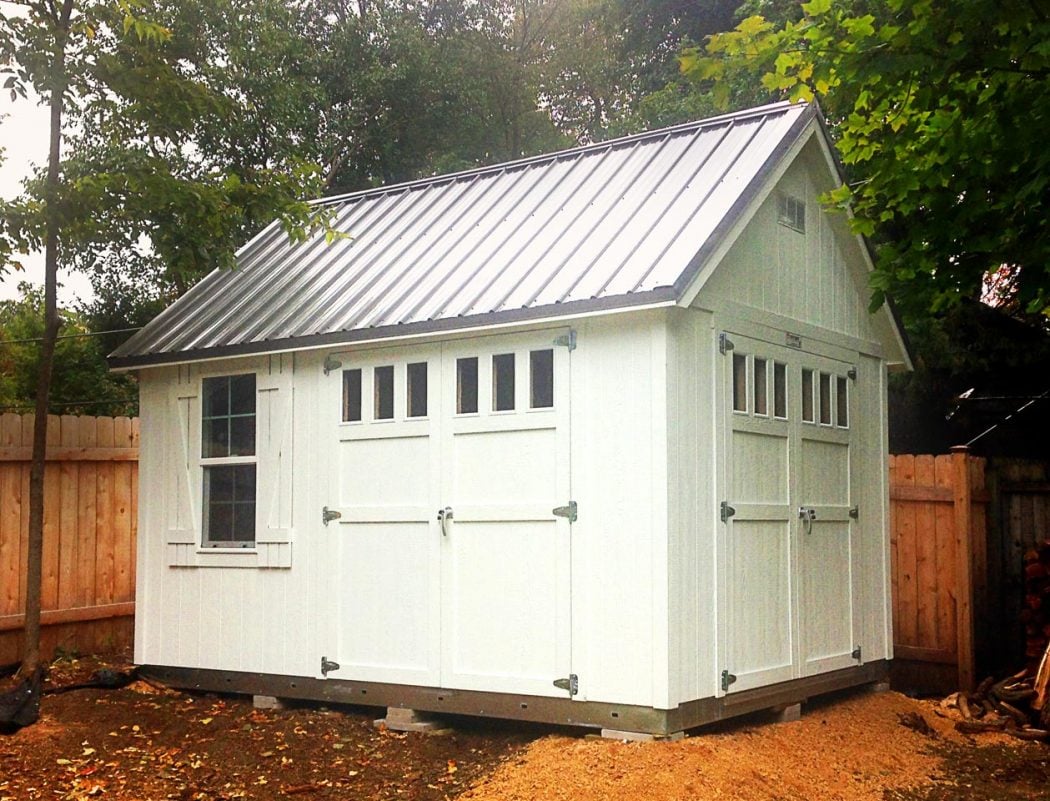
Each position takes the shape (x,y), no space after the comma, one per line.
(807,514)
(444,516)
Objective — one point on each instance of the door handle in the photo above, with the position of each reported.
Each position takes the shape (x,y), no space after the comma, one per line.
(444,516)
(807,514)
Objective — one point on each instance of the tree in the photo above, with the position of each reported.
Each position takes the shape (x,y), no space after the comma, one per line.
(939,111)
(89,58)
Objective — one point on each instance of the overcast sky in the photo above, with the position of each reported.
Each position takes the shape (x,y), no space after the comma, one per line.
(23,137)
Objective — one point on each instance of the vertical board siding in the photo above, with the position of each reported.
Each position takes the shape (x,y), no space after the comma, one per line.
(89,532)
(936,588)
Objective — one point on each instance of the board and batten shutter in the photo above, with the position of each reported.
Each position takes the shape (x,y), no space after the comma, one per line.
(273,436)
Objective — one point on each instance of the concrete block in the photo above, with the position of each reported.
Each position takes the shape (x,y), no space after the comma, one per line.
(401,719)
(641,736)
(879,687)
(267,702)
(788,713)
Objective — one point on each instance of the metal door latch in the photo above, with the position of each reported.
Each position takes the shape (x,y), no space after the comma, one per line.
(327,666)
(807,514)
(444,515)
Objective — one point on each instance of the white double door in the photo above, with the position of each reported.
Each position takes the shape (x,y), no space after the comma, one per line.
(788,541)
(448,565)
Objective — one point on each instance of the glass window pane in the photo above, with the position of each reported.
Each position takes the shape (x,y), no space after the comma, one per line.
(780,390)
(503,382)
(243,528)
(739,382)
(807,396)
(215,434)
(467,385)
(218,484)
(417,389)
(229,504)
(825,399)
(761,395)
(242,436)
(842,395)
(542,370)
(244,483)
(384,392)
(216,393)
(218,523)
(351,396)
(242,394)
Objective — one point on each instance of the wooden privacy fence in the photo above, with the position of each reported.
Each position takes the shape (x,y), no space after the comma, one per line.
(91,485)
(938,538)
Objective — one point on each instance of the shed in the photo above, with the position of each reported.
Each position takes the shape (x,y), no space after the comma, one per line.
(596,437)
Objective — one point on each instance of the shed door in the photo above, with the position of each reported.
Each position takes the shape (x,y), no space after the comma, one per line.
(787,539)
(450,565)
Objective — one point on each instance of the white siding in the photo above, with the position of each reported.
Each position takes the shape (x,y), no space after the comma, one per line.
(817,277)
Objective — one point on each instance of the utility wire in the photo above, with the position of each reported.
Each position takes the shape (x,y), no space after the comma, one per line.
(1009,417)
(69,336)
(115,401)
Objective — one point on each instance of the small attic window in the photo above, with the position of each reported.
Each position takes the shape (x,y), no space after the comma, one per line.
(791,211)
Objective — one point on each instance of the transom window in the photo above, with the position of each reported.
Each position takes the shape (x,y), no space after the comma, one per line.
(228,460)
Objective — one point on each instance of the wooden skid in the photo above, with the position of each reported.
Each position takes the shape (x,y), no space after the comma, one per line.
(559,711)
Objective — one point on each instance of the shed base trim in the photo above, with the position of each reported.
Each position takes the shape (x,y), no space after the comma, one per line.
(560,711)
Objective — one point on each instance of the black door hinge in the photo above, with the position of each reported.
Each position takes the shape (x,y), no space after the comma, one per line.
(570,685)
(327,666)
(727,679)
(725,511)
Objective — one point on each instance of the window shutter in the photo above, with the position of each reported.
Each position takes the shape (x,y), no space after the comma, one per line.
(274,442)
(183,531)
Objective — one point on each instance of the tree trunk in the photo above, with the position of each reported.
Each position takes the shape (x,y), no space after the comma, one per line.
(34,563)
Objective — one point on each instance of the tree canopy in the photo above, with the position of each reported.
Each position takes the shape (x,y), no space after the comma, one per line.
(939,112)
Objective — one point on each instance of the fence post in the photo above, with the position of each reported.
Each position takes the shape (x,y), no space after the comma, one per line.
(963,502)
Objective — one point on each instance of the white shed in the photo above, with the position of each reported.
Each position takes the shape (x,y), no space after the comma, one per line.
(597,437)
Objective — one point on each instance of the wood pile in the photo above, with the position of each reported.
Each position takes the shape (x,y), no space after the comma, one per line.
(1018,705)
(1036,613)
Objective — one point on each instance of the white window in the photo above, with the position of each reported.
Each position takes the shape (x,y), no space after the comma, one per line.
(791,211)
(228,461)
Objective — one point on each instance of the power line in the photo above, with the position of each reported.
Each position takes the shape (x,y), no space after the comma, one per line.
(115,401)
(70,336)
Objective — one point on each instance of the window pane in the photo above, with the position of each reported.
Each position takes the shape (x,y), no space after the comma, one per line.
(842,395)
(351,396)
(243,528)
(216,397)
(542,370)
(216,437)
(384,392)
(467,385)
(218,485)
(825,399)
(229,505)
(739,382)
(218,524)
(417,389)
(807,396)
(242,394)
(503,382)
(242,436)
(761,396)
(780,390)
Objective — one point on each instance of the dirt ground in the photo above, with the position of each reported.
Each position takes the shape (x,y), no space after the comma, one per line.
(141,743)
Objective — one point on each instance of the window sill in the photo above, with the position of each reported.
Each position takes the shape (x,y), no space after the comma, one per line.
(265,555)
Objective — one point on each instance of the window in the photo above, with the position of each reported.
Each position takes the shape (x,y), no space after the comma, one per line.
(807,397)
(351,396)
(541,390)
(825,399)
(842,397)
(228,461)
(503,382)
(739,382)
(761,390)
(384,392)
(467,385)
(780,390)
(791,212)
(417,389)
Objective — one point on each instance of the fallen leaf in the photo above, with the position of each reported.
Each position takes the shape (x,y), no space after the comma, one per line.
(206,721)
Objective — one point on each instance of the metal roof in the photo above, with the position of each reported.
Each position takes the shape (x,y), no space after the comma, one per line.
(620,223)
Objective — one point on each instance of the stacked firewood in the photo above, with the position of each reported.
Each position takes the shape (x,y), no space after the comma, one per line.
(1036,612)
(1016,705)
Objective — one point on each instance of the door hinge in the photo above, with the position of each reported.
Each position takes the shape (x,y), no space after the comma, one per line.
(725,344)
(567,511)
(725,511)
(327,666)
(330,364)
(852,373)
(570,685)
(566,340)
(328,515)
(856,653)
(727,679)
(854,512)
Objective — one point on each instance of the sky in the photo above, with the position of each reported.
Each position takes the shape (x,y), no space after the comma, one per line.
(24,137)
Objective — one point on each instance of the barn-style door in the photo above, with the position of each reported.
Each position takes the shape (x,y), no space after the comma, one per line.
(786,543)
(447,557)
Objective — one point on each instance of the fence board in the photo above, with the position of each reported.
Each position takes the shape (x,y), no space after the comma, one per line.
(89,532)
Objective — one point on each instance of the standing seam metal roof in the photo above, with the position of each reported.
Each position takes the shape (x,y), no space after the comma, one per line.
(619,223)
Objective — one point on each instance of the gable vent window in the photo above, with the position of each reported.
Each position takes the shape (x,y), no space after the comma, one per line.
(791,211)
